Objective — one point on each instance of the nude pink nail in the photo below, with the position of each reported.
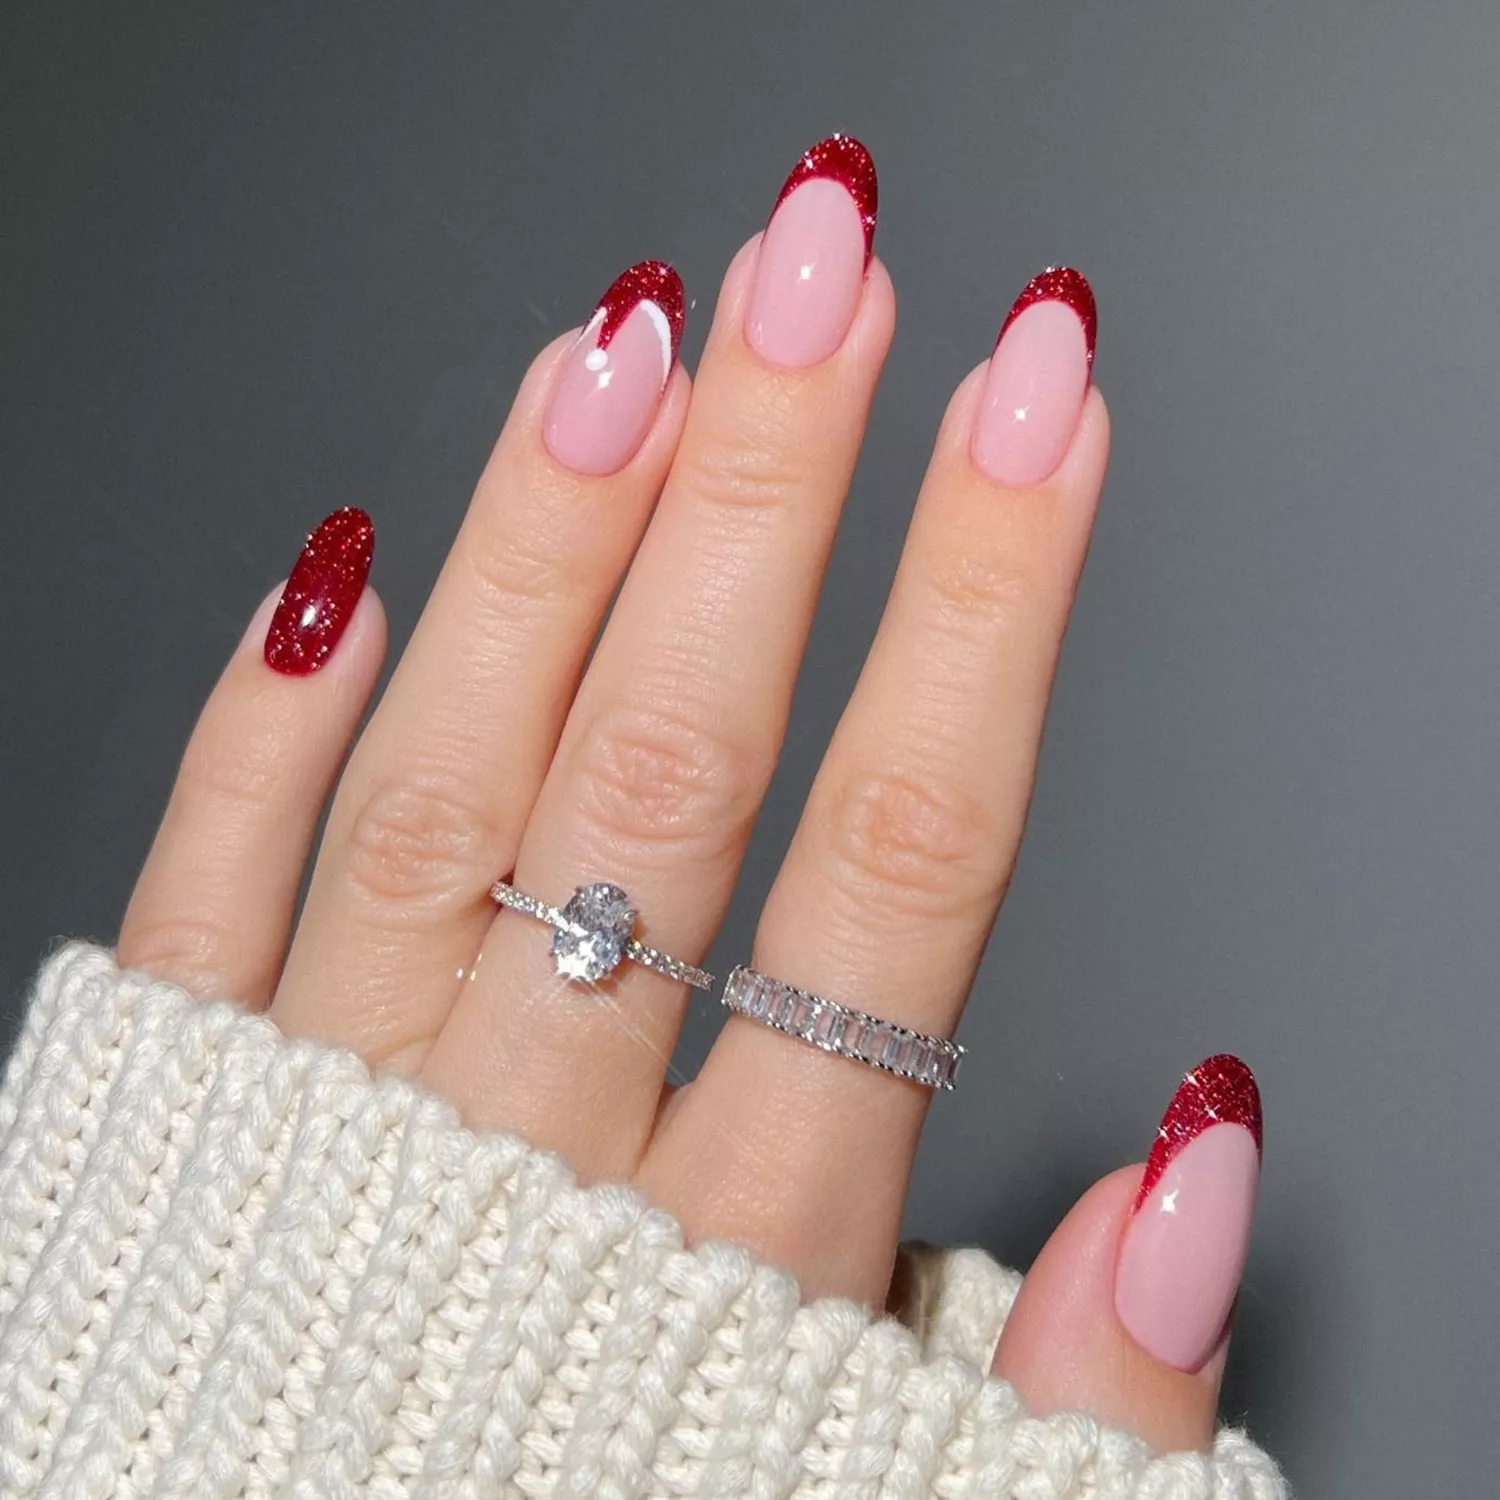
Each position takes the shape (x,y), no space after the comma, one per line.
(612,379)
(811,267)
(1183,1251)
(1038,377)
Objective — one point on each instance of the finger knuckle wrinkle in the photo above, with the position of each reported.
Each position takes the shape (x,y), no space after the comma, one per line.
(744,477)
(657,778)
(247,773)
(513,575)
(412,844)
(970,585)
(901,842)
(178,947)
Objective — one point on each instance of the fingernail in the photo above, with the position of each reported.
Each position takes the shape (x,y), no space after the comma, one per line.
(320,596)
(613,378)
(1038,377)
(1183,1250)
(811,267)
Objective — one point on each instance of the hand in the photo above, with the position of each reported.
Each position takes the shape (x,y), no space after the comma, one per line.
(504,748)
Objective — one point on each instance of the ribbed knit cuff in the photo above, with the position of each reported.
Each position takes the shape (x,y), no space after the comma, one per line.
(233,1264)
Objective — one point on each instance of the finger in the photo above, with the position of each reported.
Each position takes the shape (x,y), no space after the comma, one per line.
(1125,1314)
(431,808)
(890,887)
(672,741)
(213,905)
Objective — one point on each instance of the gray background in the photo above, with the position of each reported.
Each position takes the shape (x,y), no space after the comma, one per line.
(258,262)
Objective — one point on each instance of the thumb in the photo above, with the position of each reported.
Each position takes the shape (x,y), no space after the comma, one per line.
(1125,1314)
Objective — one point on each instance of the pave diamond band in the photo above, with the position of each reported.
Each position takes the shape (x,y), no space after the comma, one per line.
(594,932)
(929,1060)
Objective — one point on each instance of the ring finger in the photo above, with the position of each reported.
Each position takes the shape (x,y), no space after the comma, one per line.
(671,742)
(891,885)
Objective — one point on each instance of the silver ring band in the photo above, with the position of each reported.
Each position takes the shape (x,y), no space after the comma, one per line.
(929,1060)
(594,932)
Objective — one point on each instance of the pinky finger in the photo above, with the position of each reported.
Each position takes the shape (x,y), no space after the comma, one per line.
(1126,1313)
(213,906)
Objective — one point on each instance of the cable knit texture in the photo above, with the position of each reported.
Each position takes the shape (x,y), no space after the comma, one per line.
(233,1264)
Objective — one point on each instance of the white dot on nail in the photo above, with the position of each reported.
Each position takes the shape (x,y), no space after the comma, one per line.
(595,359)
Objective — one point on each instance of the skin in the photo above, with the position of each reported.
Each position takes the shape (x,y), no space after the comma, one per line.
(499,746)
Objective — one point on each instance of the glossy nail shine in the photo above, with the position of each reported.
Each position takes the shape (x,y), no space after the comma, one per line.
(650,282)
(1221,1090)
(840,159)
(1071,288)
(321,594)
(1183,1247)
(1038,379)
(610,384)
(813,260)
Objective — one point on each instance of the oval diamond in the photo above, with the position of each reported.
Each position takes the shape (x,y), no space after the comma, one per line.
(601,921)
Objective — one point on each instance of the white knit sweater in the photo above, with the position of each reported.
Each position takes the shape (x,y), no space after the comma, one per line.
(233,1264)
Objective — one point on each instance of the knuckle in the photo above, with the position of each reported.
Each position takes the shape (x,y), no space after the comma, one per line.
(411,845)
(517,575)
(970,584)
(900,844)
(655,777)
(748,475)
(244,771)
(191,951)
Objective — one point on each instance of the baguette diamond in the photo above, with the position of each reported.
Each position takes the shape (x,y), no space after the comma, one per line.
(929,1060)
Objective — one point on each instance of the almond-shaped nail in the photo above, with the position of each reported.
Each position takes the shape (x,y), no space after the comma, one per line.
(1183,1249)
(612,380)
(321,594)
(1037,379)
(811,267)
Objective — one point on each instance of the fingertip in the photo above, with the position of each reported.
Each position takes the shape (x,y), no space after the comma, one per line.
(559,433)
(253,641)
(1082,469)
(952,442)
(875,322)
(368,627)
(356,660)
(537,381)
(359,650)
(1065,1349)
(1079,473)
(870,329)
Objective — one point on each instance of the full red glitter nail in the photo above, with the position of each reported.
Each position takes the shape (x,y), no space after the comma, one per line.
(652,281)
(1060,284)
(1221,1090)
(320,596)
(843,160)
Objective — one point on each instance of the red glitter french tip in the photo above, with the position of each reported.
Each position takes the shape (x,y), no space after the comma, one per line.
(843,160)
(652,281)
(1060,284)
(1219,1091)
(320,596)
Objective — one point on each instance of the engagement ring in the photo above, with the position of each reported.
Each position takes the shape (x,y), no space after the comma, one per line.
(595,932)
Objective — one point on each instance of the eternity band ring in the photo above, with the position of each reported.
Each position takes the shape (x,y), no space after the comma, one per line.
(931,1061)
(594,932)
